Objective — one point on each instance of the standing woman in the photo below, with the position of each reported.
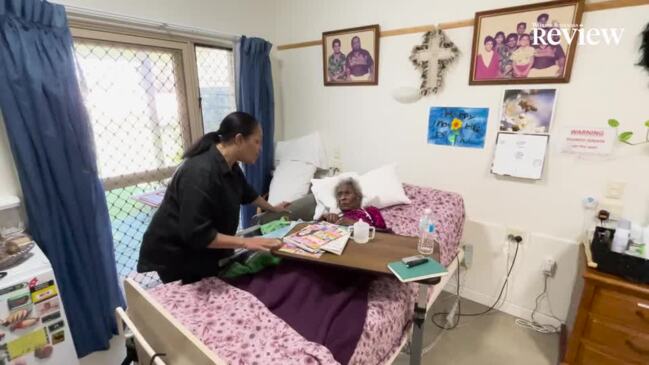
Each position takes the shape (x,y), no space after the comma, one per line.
(195,225)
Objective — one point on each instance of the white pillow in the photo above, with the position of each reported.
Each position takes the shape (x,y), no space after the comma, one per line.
(382,187)
(290,181)
(323,191)
(306,148)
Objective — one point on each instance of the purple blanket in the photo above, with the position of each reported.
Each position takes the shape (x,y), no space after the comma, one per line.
(326,305)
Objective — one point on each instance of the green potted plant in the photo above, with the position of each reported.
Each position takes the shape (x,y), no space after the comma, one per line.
(625,137)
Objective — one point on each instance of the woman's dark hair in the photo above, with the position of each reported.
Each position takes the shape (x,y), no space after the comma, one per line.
(489,39)
(231,125)
(501,34)
(333,44)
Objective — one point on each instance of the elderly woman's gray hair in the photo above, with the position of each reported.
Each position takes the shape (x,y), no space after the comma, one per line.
(356,187)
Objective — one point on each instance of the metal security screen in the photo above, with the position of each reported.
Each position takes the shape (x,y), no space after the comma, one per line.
(137,104)
(216,85)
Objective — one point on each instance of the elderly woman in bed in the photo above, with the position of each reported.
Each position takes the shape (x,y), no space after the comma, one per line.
(349,196)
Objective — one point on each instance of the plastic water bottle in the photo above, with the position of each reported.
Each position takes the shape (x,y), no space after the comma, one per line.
(426,244)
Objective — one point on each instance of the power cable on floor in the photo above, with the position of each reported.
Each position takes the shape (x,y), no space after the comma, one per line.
(533,324)
(518,241)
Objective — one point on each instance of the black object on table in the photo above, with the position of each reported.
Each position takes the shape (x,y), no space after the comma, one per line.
(632,268)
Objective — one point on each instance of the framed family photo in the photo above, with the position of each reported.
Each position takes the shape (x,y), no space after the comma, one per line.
(526,44)
(351,56)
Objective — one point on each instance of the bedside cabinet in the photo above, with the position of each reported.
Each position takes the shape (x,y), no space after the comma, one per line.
(612,322)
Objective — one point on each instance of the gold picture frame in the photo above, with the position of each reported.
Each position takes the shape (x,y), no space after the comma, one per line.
(351,56)
(525,44)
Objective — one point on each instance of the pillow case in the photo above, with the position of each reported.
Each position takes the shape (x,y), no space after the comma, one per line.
(290,181)
(381,188)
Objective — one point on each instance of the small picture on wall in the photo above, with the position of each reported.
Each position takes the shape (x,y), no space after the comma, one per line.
(461,127)
(527,110)
(525,44)
(351,56)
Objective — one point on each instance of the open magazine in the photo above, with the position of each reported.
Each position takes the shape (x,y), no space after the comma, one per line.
(318,237)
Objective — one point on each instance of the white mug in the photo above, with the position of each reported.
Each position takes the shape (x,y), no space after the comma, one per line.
(361,232)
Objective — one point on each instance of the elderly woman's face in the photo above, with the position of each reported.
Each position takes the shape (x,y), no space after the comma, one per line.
(347,198)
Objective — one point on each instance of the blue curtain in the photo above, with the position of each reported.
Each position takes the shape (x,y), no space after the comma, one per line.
(255,96)
(52,143)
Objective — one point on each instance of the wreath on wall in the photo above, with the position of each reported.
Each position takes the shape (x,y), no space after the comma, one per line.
(644,49)
(432,57)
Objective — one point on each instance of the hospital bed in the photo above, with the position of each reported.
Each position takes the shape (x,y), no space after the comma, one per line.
(211,322)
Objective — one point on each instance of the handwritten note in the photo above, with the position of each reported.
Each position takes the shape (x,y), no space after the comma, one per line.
(520,155)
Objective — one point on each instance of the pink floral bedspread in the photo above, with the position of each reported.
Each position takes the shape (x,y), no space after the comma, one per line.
(391,303)
(209,308)
(448,210)
(237,326)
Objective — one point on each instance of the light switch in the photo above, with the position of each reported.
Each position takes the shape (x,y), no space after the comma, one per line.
(615,189)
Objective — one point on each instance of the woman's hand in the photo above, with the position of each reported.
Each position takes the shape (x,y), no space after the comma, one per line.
(282,207)
(262,244)
(330,217)
(279,208)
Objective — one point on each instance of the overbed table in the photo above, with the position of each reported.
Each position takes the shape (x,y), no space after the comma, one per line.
(374,257)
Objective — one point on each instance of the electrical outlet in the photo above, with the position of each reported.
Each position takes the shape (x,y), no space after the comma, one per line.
(615,189)
(614,207)
(336,162)
(337,153)
(549,267)
(511,232)
(468,256)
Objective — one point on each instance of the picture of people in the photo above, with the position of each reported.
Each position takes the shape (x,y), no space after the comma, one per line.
(336,66)
(524,44)
(350,56)
(527,110)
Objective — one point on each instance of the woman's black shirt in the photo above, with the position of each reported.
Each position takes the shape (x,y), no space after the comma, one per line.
(202,200)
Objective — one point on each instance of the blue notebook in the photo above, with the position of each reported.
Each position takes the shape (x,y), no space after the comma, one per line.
(430,269)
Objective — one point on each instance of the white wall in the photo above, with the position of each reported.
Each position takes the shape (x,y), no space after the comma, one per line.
(248,17)
(369,128)
(8,176)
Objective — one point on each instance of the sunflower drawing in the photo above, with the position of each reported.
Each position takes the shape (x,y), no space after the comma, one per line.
(456,124)
(456,128)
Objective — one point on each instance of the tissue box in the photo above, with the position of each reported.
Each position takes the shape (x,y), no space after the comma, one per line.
(635,269)
(10,221)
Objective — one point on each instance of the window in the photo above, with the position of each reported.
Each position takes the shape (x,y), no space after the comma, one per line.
(136,101)
(144,115)
(216,85)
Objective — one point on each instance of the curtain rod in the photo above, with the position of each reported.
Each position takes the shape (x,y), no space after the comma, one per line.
(107,18)
(591,6)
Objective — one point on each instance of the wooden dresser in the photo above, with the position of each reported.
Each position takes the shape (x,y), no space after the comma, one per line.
(612,322)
